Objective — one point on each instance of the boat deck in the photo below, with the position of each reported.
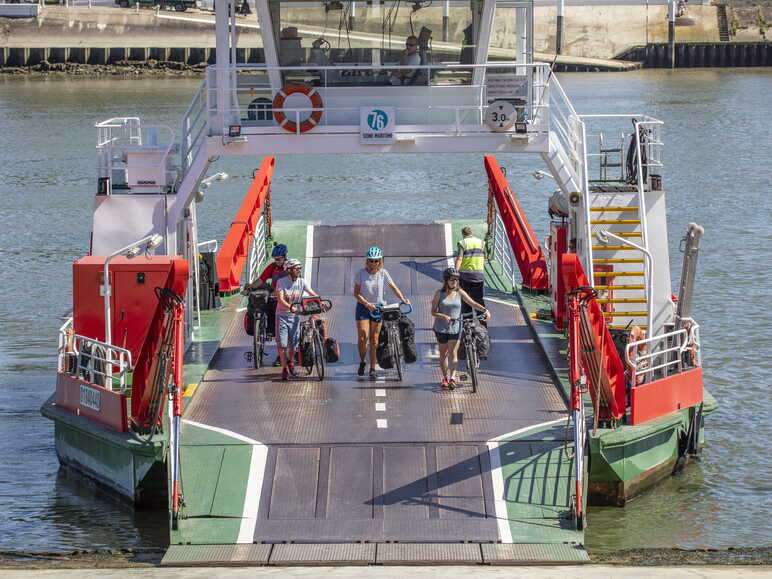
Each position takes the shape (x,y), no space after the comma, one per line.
(355,461)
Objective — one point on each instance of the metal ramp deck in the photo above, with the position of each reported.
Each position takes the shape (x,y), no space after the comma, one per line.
(325,471)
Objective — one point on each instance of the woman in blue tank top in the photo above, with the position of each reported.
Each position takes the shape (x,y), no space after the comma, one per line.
(446,310)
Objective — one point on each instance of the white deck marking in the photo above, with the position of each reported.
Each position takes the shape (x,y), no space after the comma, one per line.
(380,392)
(254,480)
(497,477)
(449,244)
(252,495)
(309,266)
(241,309)
(382,423)
(380,407)
(526,429)
(502,517)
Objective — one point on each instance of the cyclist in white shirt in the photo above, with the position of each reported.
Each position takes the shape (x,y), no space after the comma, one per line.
(369,284)
(289,291)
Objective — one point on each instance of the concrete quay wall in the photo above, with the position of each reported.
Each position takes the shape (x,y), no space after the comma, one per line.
(590,31)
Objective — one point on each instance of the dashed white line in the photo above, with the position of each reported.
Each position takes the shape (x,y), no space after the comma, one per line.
(380,407)
(380,392)
(382,423)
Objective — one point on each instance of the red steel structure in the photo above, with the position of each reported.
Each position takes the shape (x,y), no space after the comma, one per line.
(235,248)
(604,369)
(527,251)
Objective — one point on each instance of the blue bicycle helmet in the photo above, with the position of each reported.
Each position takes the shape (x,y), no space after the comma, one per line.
(279,250)
(374,253)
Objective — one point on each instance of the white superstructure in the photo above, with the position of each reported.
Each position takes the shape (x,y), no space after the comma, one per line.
(336,78)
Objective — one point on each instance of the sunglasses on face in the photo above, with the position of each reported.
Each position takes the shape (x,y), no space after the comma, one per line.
(373,261)
(410,44)
(279,258)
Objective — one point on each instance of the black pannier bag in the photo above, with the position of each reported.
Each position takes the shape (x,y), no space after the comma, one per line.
(382,352)
(307,354)
(482,341)
(259,299)
(407,337)
(331,350)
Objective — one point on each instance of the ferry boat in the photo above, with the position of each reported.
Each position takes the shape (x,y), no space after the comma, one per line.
(593,388)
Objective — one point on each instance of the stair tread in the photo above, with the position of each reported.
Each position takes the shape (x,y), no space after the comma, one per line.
(615,208)
(617,260)
(619,287)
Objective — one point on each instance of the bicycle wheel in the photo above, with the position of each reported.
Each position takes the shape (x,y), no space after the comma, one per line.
(318,356)
(471,361)
(258,341)
(395,346)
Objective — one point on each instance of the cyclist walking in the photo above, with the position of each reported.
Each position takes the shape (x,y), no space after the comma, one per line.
(273,272)
(470,262)
(289,291)
(446,310)
(369,284)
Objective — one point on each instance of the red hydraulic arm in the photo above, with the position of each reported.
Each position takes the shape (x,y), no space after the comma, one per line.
(604,369)
(235,247)
(149,374)
(528,253)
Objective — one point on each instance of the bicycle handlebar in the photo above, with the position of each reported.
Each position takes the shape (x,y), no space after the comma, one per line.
(302,308)
(379,310)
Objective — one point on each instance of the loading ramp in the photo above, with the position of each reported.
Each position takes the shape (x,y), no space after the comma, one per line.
(356,471)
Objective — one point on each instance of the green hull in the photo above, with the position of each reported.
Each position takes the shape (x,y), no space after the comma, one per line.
(626,460)
(121,463)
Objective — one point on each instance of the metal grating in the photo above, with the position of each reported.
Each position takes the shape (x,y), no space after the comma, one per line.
(241,554)
(428,553)
(530,554)
(323,554)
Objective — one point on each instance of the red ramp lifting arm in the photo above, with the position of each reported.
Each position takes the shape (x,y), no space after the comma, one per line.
(603,367)
(235,247)
(527,251)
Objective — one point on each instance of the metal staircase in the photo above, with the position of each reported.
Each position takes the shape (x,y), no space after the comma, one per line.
(619,271)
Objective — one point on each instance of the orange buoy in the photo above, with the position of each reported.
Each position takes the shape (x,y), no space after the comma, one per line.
(278,107)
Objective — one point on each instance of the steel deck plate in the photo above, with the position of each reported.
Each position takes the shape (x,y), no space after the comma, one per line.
(248,554)
(532,554)
(428,554)
(351,460)
(323,554)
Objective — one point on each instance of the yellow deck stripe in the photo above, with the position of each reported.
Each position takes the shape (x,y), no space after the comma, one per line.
(190,389)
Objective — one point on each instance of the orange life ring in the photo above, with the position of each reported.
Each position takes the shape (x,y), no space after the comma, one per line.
(278,107)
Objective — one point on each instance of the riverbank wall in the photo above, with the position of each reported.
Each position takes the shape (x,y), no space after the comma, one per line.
(701,54)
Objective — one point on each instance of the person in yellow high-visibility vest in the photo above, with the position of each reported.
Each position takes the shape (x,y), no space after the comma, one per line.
(470,262)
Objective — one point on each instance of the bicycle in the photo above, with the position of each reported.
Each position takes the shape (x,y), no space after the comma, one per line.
(389,314)
(468,322)
(311,341)
(258,305)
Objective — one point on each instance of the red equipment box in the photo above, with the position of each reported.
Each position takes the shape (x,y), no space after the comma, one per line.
(132,301)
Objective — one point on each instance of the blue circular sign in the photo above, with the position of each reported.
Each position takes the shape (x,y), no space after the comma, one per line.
(377,119)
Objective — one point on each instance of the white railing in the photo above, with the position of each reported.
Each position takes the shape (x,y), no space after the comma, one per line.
(664,352)
(231,104)
(502,250)
(210,246)
(95,361)
(257,251)
(194,128)
(565,123)
(149,146)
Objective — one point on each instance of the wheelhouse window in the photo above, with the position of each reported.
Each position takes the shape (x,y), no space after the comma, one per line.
(360,40)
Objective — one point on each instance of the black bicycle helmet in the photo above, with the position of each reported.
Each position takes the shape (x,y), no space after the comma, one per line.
(450,273)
